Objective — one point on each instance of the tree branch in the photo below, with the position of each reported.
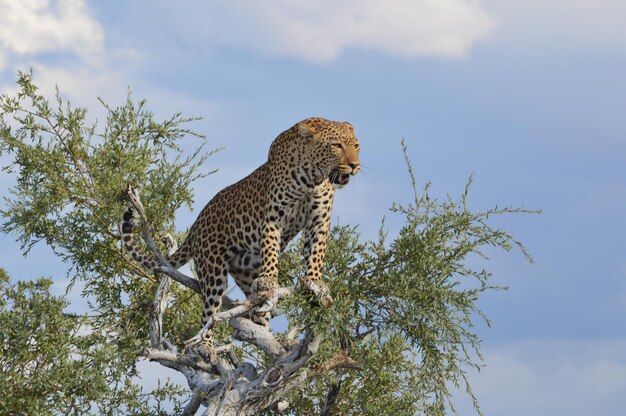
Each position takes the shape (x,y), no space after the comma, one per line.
(194,404)
(161,298)
(225,385)
(248,331)
(146,234)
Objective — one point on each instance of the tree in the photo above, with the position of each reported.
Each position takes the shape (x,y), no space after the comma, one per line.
(397,339)
(55,363)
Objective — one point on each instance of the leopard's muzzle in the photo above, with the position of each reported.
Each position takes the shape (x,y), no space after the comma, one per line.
(338,177)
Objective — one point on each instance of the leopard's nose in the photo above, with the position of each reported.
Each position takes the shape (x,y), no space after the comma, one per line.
(354,166)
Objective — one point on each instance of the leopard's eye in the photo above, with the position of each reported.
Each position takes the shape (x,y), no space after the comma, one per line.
(357,147)
(337,145)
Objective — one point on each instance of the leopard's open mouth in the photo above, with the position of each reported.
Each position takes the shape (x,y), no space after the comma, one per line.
(339,178)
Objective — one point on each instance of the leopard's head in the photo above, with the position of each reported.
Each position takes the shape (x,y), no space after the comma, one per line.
(333,148)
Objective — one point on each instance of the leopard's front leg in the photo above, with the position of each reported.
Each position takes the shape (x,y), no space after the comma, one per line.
(316,234)
(278,205)
(270,246)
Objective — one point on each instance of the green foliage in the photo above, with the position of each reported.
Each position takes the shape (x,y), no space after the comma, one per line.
(55,363)
(404,307)
(71,180)
(69,194)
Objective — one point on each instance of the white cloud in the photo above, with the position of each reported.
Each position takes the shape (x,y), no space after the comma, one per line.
(65,46)
(29,27)
(548,22)
(553,377)
(320,30)
(85,82)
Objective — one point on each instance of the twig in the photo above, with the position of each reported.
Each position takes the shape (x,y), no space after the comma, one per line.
(341,360)
(176,361)
(246,329)
(194,403)
(146,234)
(161,298)
(222,316)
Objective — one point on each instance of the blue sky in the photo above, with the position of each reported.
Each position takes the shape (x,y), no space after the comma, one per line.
(529,96)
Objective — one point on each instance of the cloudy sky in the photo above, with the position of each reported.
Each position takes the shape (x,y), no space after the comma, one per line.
(529,96)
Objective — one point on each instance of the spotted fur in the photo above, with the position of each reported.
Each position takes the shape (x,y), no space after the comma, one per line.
(244,227)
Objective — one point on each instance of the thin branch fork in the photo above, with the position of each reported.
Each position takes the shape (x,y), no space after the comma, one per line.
(246,330)
(146,234)
(176,361)
(340,360)
(161,298)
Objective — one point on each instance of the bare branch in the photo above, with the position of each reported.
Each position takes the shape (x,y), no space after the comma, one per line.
(237,311)
(237,390)
(146,234)
(181,278)
(194,404)
(331,399)
(177,361)
(157,308)
(340,360)
(161,298)
(248,331)
(295,330)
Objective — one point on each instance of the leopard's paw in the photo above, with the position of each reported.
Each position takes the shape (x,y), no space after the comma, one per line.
(321,292)
(263,284)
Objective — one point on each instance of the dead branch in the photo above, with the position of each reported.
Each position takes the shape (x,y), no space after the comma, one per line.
(146,234)
(194,404)
(225,385)
(161,298)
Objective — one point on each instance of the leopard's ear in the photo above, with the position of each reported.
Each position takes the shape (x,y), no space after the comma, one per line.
(306,130)
(348,125)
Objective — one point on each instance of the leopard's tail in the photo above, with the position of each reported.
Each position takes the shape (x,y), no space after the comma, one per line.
(178,259)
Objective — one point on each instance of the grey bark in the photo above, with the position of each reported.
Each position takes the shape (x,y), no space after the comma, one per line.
(225,386)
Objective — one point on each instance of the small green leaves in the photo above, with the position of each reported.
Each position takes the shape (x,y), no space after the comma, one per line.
(54,363)
(70,176)
(405,307)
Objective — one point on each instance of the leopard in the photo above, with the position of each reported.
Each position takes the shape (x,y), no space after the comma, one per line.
(244,227)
